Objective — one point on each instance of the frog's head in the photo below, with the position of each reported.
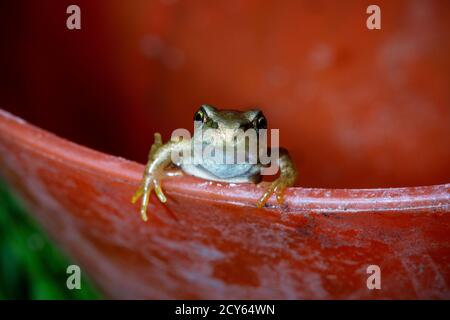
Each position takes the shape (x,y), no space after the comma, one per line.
(226,127)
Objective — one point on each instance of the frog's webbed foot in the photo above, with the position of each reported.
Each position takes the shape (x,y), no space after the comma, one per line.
(277,187)
(287,178)
(148,184)
(151,180)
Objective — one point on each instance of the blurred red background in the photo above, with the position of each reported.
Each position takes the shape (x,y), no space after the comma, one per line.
(357,108)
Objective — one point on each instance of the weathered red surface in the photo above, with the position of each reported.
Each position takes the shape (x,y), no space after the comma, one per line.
(211,242)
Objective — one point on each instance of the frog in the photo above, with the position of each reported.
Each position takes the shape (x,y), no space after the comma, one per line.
(226,123)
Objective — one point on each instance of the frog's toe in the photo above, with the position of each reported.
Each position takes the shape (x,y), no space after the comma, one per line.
(280,194)
(144,205)
(159,192)
(156,144)
(157,139)
(137,194)
(265,197)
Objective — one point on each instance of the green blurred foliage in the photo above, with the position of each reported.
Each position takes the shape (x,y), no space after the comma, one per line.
(31,266)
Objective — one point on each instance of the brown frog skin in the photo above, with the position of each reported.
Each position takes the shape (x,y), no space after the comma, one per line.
(226,123)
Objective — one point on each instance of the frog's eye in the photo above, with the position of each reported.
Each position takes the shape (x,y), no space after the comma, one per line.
(261,122)
(200,115)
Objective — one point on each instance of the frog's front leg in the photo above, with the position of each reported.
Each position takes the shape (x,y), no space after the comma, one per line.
(287,178)
(159,158)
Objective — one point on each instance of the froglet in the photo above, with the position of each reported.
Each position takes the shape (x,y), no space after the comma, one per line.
(226,125)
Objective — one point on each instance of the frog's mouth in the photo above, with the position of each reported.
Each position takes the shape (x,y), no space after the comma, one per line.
(224,159)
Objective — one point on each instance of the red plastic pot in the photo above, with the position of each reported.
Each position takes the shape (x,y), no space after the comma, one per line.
(210,241)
